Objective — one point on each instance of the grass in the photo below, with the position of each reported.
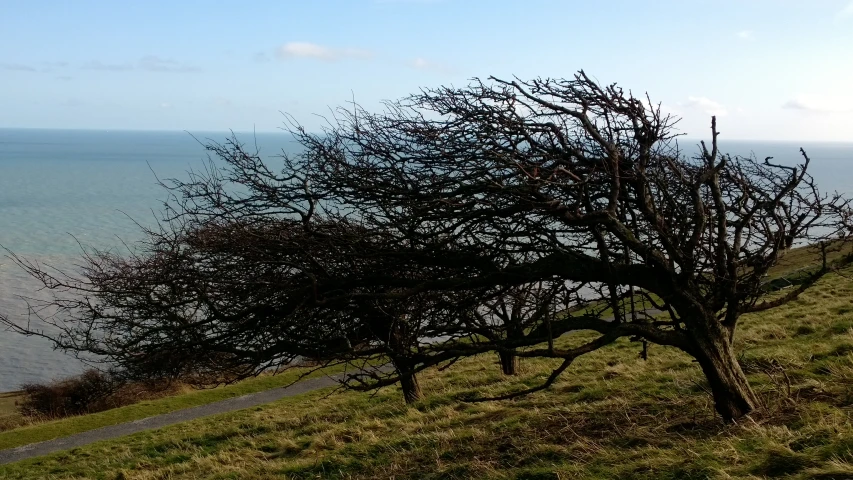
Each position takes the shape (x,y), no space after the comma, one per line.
(7,403)
(798,258)
(610,416)
(8,410)
(48,430)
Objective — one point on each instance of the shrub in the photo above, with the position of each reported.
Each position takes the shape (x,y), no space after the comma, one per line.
(92,391)
(71,396)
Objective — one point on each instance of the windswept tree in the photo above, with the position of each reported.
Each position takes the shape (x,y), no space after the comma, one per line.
(568,180)
(223,300)
(450,197)
(507,315)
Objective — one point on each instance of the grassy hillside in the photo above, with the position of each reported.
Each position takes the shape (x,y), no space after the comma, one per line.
(611,415)
(37,431)
(621,417)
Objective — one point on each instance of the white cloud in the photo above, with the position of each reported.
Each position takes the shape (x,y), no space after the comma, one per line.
(260,57)
(846,11)
(667,109)
(223,102)
(109,67)
(820,104)
(153,63)
(745,34)
(17,67)
(71,102)
(150,63)
(165,105)
(707,106)
(312,50)
(424,64)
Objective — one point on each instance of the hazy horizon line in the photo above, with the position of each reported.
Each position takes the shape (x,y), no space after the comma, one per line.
(284,132)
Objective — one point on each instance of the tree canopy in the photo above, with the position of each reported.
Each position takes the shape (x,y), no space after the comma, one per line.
(495,217)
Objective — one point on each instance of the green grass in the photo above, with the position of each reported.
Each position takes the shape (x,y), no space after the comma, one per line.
(8,410)
(68,426)
(7,403)
(797,258)
(610,416)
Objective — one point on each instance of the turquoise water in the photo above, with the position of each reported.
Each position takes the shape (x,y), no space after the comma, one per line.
(60,185)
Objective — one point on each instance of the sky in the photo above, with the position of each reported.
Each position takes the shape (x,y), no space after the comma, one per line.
(768,69)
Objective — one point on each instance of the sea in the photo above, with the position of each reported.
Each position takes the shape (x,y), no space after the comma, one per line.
(62,191)
(65,190)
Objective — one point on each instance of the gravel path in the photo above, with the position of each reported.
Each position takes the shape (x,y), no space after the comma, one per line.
(114,431)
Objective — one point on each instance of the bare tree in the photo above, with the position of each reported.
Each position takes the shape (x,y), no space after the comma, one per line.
(230,299)
(568,180)
(421,221)
(507,315)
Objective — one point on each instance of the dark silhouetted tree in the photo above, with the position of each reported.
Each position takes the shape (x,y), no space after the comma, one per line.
(406,234)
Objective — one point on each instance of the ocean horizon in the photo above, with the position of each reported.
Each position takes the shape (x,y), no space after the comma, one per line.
(60,189)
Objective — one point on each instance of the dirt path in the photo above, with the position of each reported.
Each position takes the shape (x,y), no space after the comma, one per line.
(114,431)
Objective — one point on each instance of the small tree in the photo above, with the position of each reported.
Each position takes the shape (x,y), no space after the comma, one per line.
(507,315)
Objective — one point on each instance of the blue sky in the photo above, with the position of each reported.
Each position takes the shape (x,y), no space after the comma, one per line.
(769,69)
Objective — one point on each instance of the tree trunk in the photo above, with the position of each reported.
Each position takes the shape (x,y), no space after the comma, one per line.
(509,362)
(411,388)
(733,397)
(408,381)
